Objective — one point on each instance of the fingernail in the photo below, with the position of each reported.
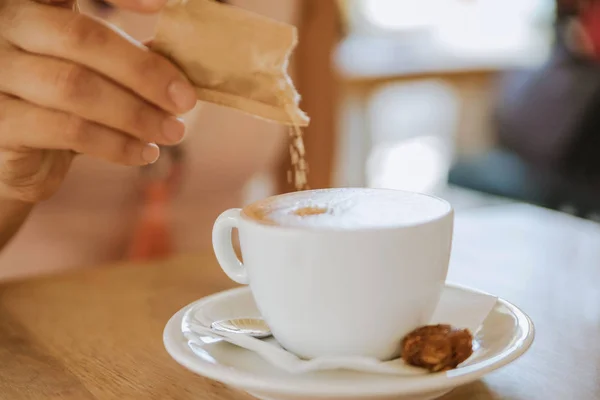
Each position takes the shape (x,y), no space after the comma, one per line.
(182,95)
(173,130)
(150,153)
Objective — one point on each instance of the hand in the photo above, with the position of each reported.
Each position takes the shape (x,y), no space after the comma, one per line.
(70,85)
(139,6)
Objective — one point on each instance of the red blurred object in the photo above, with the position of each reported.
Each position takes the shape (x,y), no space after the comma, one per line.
(590,21)
(152,237)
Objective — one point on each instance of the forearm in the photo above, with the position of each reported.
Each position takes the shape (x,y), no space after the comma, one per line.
(12,215)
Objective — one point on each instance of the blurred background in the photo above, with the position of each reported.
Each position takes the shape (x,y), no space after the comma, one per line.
(481,102)
(478,101)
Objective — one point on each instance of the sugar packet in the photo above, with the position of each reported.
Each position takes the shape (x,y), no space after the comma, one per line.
(234,58)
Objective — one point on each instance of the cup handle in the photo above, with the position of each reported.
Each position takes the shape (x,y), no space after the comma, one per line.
(223,246)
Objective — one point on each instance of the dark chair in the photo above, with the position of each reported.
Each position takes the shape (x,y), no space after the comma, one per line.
(502,173)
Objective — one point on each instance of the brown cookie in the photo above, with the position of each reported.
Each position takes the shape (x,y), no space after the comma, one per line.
(437,347)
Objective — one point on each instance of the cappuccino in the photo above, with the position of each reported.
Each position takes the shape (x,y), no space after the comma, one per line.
(341,258)
(348,208)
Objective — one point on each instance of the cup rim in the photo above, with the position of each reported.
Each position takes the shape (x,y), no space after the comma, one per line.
(298,228)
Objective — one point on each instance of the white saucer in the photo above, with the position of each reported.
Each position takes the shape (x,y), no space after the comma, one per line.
(505,335)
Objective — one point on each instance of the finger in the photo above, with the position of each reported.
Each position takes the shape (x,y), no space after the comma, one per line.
(60,33)
(59,3)
(74,89)
(26,126)
(142,6)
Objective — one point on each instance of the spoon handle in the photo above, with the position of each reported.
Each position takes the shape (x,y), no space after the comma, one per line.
(268,351)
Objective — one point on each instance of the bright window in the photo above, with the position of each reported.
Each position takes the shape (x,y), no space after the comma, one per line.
(488,26)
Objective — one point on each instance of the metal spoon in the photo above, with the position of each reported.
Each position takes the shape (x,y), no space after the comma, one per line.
(255,327)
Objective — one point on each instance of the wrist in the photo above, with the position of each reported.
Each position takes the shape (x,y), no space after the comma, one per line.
(9,205)
(13,213)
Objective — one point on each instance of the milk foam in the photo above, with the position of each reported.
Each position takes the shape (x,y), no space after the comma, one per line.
(350,209)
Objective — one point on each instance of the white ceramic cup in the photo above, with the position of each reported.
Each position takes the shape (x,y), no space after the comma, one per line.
(340,292)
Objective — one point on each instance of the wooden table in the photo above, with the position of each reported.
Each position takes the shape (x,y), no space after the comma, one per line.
(97,334)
